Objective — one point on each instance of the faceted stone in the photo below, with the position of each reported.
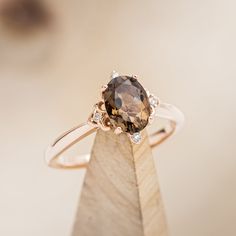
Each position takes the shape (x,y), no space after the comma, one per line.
(153,101)
(136,137)
(97,117)
(127,104)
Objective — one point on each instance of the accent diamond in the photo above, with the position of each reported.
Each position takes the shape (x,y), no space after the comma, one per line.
(153,100)
(97,117)
(136,138)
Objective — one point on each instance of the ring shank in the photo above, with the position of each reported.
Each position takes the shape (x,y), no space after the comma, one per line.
(54,153)
(175,120)
(56,159)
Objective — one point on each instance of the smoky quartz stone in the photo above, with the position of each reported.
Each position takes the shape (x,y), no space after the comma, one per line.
(127,104)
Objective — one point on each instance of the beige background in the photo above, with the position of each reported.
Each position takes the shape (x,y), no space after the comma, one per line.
(184,51)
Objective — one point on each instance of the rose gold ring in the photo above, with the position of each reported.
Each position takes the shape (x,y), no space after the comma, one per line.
(125,107)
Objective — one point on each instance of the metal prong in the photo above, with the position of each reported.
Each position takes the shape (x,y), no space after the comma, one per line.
(103,88)
(114,74)
(135,76)
(118,130)
(147,92)
(153,111)
(150,119)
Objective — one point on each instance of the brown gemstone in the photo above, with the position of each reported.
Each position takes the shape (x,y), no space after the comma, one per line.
(127,104)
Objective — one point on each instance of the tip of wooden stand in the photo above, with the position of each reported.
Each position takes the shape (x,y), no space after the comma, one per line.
(121,194)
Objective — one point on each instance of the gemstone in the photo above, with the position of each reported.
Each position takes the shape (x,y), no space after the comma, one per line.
(136,137)
(127,104)
(97,117)
(153,101)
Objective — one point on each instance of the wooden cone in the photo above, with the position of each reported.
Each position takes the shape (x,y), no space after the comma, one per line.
(121,195)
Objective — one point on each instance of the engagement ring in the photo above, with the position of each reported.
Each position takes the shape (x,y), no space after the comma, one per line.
(125,107)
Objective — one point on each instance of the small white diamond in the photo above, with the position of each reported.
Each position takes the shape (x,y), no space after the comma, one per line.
(153,101)
(136,138)
(97,117)
(114,74)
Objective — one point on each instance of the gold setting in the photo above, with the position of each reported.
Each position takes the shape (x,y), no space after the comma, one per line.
(99,119)
(104,121)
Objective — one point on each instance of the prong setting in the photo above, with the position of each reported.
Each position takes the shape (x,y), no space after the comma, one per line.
(114,74)
(148,93)
(99,118)
(150,119)
(154,102)
(102,119)
(118,130)
(153,111)
(103,88)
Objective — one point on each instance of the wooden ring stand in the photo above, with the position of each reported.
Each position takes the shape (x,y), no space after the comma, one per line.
(120,195)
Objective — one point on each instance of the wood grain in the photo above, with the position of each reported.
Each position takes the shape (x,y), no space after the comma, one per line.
(121,195)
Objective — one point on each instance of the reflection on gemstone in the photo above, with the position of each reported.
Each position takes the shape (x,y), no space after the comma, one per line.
(127,104)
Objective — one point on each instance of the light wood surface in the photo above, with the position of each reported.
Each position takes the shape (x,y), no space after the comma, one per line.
(121,195)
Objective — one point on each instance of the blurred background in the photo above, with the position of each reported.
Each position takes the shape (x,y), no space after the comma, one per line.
(55,55)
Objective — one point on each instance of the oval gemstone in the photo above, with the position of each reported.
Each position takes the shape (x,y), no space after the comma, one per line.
(127,104)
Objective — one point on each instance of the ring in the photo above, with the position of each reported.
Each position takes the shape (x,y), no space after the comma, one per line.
(125,107)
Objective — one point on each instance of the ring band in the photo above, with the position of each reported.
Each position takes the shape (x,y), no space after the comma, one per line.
(99,119)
